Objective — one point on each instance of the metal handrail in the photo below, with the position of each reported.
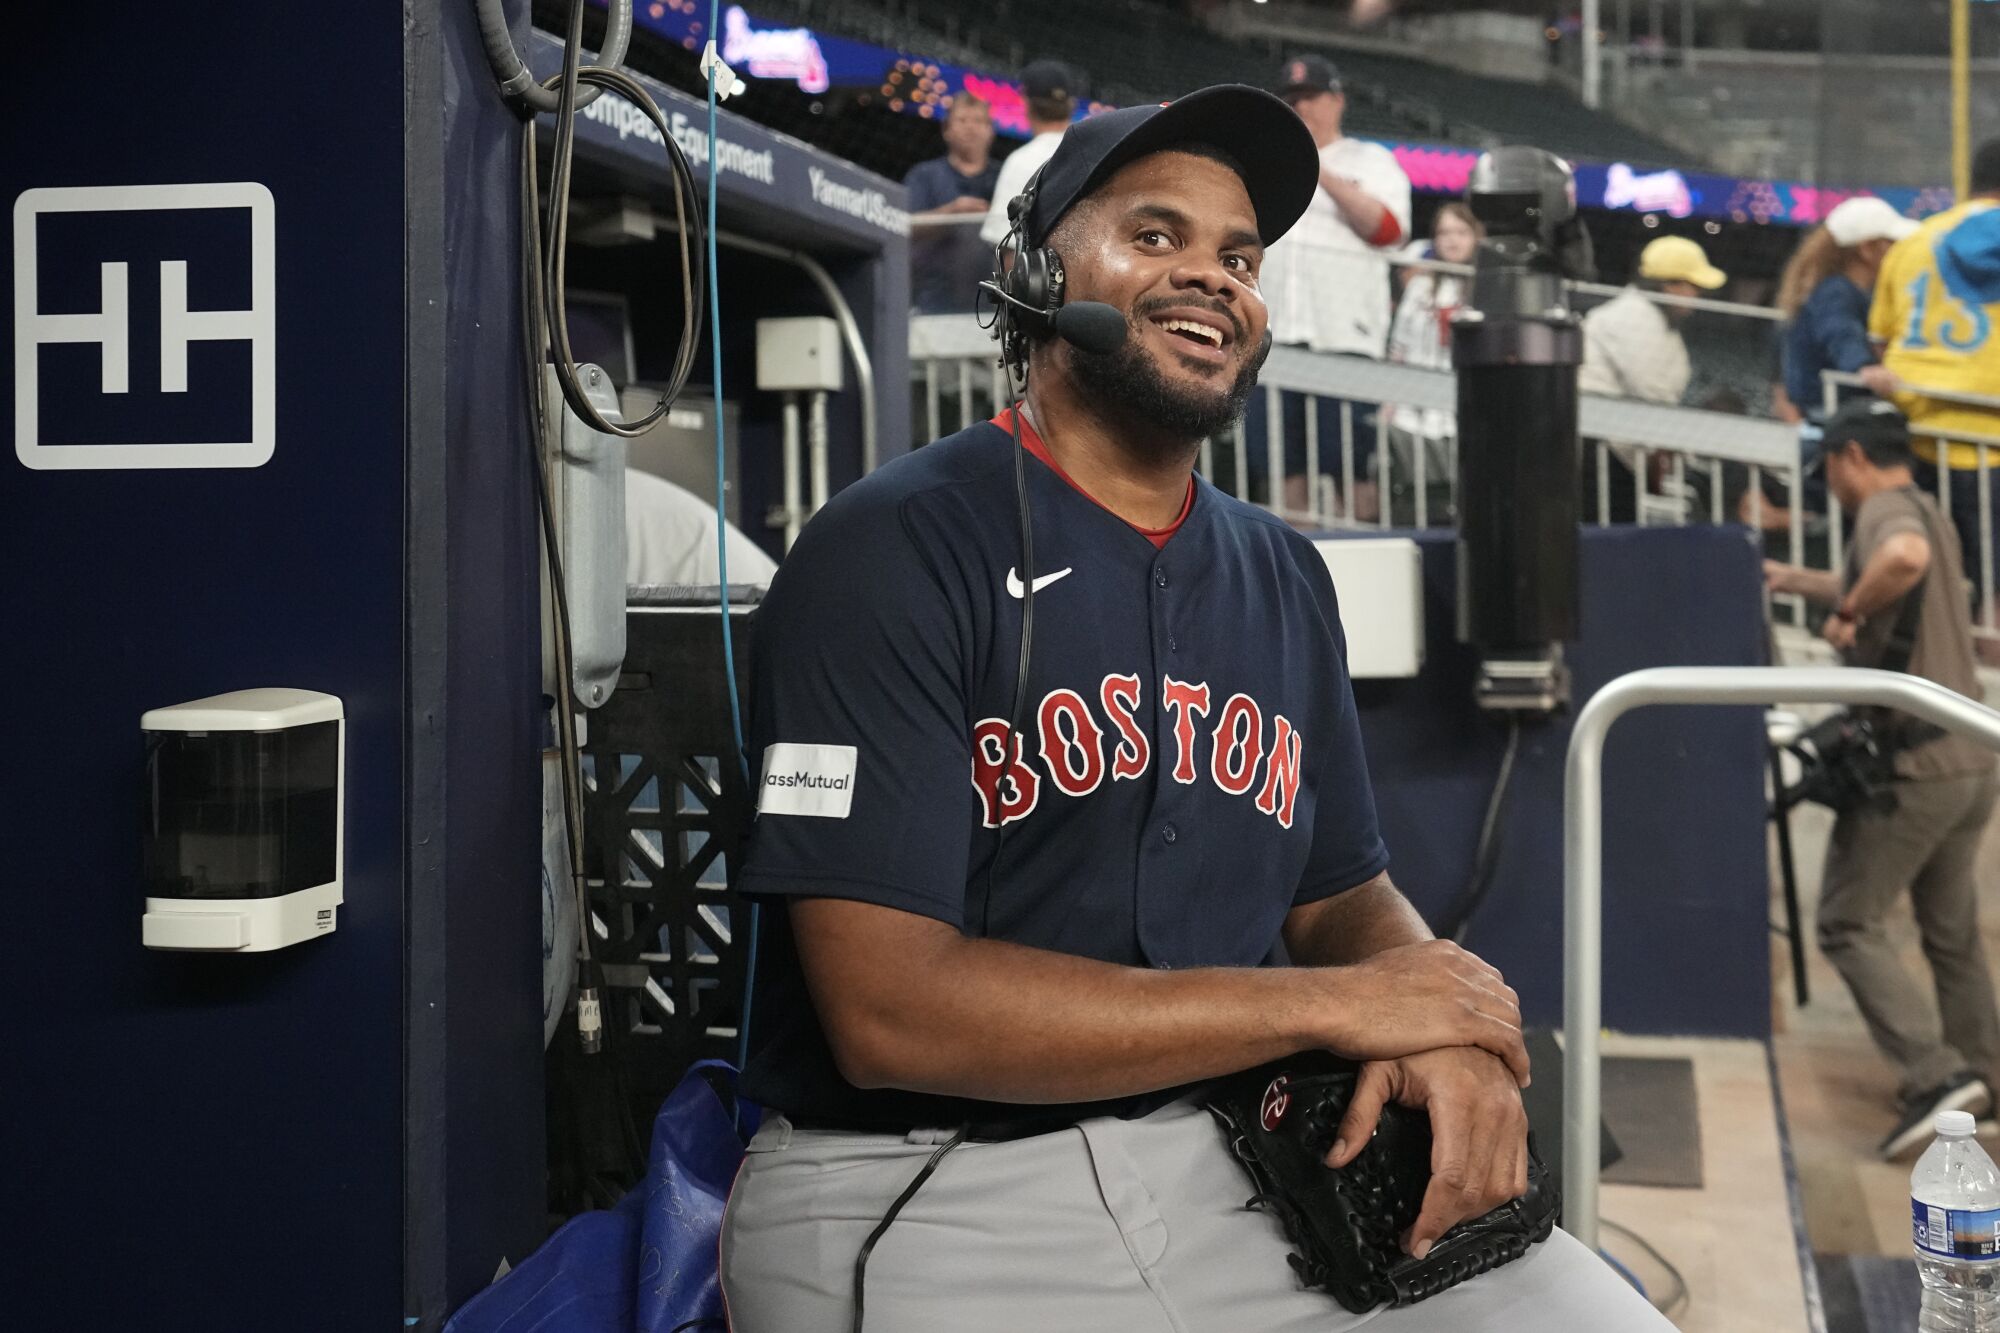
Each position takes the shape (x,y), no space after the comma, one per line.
(948,347)
(1833,380)
(1583,851)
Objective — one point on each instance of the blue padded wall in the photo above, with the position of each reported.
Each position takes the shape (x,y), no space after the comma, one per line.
(206,1142)
(1687,941)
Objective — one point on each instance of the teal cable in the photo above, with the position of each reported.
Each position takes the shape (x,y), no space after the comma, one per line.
(722,535)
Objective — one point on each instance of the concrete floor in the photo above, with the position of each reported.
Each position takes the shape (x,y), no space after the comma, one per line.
(1732,1240)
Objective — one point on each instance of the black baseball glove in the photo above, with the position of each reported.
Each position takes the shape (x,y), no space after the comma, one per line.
(1280,1120)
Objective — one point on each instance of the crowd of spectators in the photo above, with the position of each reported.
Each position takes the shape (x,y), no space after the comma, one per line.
(1869,292)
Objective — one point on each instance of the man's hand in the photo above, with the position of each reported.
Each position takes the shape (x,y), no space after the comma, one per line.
(1479,1132)
(1419,997)
(1838,631)
(1778,576)
(965,203)
(1881,381)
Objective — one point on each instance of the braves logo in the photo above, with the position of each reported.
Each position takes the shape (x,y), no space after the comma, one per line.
(1277,1100)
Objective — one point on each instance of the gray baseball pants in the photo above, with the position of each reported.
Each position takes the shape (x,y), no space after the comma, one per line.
(1115,1226)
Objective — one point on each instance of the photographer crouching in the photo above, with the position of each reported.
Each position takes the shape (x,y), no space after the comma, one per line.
(1901,605)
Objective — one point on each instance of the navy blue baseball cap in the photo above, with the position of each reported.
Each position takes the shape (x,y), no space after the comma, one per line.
(1273,148)
(1308,74)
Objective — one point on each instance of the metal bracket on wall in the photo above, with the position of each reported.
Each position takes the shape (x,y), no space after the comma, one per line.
(587,477)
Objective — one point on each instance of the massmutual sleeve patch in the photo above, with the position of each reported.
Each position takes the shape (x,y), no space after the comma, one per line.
(813,780)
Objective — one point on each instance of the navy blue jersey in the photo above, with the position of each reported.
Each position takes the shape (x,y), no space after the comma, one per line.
(1190,765)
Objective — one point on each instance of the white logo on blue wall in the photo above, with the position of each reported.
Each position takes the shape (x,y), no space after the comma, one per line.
(145,326)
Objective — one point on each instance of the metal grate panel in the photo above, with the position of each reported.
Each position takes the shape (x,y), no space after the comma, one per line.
(666,817)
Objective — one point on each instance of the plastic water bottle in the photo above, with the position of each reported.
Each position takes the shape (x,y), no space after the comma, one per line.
(1955,1225)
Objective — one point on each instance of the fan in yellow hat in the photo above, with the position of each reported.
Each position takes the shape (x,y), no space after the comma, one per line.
(1678,259)
(1632,348)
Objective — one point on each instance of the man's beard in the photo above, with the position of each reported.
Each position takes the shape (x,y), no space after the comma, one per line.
(1127,384)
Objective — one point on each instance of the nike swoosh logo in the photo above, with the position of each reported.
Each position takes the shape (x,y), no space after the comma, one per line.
(1016,591)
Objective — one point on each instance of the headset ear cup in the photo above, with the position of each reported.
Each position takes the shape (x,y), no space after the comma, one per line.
(1015,280)
(1035,281)
(1028,295)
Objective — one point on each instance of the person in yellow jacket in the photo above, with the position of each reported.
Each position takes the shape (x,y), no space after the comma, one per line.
(1936,316)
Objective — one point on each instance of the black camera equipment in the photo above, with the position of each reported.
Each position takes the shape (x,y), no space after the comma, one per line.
(1516,349)
(1847,761)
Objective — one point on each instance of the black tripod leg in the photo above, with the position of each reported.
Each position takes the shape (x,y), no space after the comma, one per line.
(1781,814)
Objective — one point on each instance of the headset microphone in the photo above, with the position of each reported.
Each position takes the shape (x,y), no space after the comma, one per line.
(1091,326)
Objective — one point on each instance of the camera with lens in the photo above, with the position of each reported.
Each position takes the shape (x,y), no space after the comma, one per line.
(1526,200)
(1847,761)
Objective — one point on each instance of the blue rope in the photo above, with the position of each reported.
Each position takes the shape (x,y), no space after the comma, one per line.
(722,535)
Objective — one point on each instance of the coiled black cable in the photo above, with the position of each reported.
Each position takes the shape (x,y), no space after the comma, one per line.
(545,235)
(688,227)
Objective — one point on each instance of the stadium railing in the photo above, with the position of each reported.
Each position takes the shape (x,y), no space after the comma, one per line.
(1685,464)
(959,382)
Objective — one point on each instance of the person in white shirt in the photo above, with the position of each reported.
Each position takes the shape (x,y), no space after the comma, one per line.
(1051,89)
(1632,348)
(1327,280)
(670,539)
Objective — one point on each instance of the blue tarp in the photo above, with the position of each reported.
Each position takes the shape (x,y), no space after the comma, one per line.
(646,1266)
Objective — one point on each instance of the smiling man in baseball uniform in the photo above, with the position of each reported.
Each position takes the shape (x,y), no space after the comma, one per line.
(1016,920)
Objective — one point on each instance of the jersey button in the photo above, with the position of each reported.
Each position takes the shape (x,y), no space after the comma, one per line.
(1173,644)
(1160,577)
(1170,833)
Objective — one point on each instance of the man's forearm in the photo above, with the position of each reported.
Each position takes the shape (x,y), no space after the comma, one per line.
(1815,585)
(1365,215)
(1004,1022)
(908,1002)
(1354,925)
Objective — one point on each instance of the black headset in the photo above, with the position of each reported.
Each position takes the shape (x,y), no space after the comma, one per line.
(1026,293)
